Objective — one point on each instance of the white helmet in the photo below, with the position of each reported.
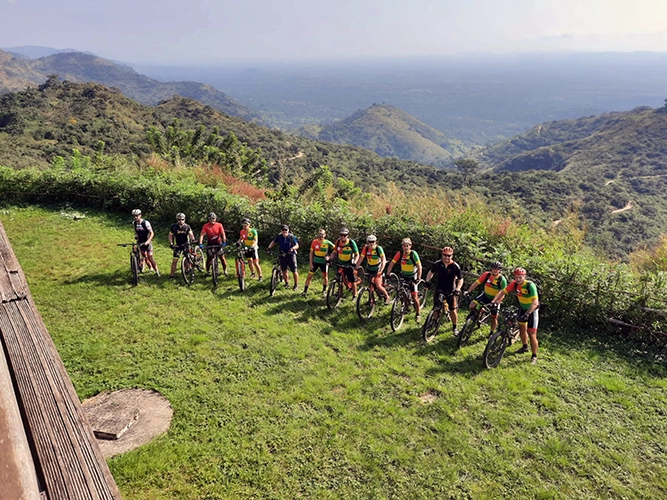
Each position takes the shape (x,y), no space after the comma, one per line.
(136,212)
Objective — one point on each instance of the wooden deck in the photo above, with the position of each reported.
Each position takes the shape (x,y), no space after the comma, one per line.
(51,452)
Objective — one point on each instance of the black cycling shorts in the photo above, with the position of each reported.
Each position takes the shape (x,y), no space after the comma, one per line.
(410,281)
(288,261)
(452,303)
(349,273)
(322,266)
(251,253)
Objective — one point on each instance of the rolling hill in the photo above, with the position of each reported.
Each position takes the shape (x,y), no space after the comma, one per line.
(391,132)
(17,72)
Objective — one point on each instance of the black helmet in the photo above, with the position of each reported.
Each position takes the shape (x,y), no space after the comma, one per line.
(496,265)
(212,216)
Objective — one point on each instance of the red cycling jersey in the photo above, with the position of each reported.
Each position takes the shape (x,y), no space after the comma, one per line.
(214,232)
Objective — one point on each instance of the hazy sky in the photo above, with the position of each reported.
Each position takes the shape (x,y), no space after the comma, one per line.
(178,31)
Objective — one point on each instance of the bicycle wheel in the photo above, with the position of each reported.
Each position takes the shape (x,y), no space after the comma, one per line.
(391,285)
(365,304)
(469,326)
(199,260)
(187,269)
(275,280)
(431,325)
(240,273)
(334,294)
(397,312)
(215,269)
(422,292)
(495,348)
(134,269)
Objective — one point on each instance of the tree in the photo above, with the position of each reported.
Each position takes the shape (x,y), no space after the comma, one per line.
(467,167)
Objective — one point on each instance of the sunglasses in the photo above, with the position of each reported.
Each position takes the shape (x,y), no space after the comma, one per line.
(447,254)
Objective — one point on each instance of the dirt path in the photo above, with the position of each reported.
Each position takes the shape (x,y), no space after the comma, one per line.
(626,207)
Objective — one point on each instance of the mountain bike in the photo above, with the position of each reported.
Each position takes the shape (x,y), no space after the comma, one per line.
(136,261)
(192,259)
(507,333)
(240,265)
(338,286)
(366,297)
(435,318)
(403,302)
(212,250)
(476,318)
(276,272)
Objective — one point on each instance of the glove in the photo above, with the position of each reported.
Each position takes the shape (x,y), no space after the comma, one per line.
(172,246)
(201,245)
(466,294)
(224,244)
(523,318)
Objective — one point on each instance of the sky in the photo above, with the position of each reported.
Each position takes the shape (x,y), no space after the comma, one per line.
(211,31)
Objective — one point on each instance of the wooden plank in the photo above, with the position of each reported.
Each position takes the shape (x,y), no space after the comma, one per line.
(66,455)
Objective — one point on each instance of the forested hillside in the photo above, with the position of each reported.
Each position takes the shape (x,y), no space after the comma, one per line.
(16,73)
(390,131)
(614,192)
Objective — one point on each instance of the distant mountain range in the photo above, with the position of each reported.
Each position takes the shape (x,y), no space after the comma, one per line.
(36,51)
(391,132)
(16,72)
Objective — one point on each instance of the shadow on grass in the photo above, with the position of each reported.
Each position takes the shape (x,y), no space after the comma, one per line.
(119,278)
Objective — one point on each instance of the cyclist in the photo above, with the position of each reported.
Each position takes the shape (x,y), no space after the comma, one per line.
(144,235)
(180,235)
(250,239)
(449,283)
(376,262)
(526,292)
(288,245)
(411,271)
(320,248)
(215,235)
(347,252)
(493,282)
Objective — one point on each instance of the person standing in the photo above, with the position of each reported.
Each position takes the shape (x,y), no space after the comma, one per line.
(180,235)
(250,240)
(288,245)
(216,238)
(143,233)
(449,283)
(411,271)
(320,248)
(493,281)
(526,293)
(376,262)
(347,252)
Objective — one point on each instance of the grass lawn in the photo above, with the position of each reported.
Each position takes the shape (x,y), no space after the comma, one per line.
(275,397)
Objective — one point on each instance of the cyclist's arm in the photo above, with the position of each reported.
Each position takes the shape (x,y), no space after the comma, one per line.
(171,238)
(201,236)
(191,236)
(499,298)
(458,283)
(311,258)
(360,261)
(223,235)
(383,263)
(390,267)
(150,236)
(473,286)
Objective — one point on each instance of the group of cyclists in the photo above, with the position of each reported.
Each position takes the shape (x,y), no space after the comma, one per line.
(444,277)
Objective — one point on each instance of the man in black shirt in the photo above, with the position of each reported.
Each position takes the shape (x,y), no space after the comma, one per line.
(449,283)
(180,235)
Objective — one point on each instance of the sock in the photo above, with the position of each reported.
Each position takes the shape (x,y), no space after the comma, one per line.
(305,289)
(525,346)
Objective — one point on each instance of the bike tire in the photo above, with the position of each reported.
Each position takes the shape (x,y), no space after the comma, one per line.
(275,281)
(397,313)
(134,269)
(431,326)
(240,274)
(215,270)
(334,294)
(365,304)
(392,285)
(187,269)
(469,327)
(495,348)
(199,260)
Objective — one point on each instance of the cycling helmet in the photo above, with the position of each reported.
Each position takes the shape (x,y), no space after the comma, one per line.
(212,216)
(136,212)
(284,227)
(519,271)
(406,241)
(496,265)
(447,250)
(180,216)
(345,231)
(371,238)
(245,220)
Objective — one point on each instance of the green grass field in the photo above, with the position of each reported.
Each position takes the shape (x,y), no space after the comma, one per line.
(275,397)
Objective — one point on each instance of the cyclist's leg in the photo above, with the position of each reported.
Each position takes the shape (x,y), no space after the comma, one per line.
(494,316)
(533,320)
(209,254)
(284,264)
(223,261)
(174,262)
(295,272)
(415,297)
(349,274)
(453,311)
(523,333)
(377,280)
(149,258)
